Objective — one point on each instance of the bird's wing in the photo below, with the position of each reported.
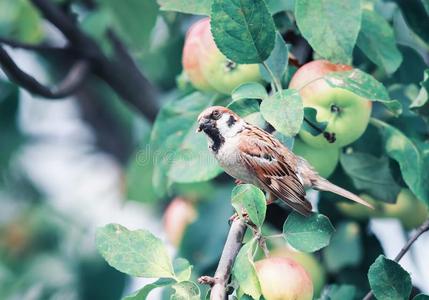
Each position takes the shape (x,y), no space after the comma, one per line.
(265,157)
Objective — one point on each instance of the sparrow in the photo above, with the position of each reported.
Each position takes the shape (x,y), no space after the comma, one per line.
(252,155)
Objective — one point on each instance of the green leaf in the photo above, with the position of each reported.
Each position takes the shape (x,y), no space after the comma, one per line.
(249,110)
(139,175)
(421,297)
(244,107)
(364,85)
(249,90)
(95,24)
(417,16)
(371,174)
(277,61)
(307,234)
(179,151)
(143,293)
(345,248)
(243,30)
(284,111)
(133,22)
(339,292)
(388,280)
(276,6)
(244,271)
(11,137)
(182,269)
(196,7)
(186,290)
(252,200)
(188,160)
(21,21)
(28,25)
(423,95)
(412,161)
(331,27)
(285,140)
(311,124)
(377,40)
(137,253)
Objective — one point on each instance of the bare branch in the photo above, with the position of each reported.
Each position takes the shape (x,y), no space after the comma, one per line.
(422,229)
(120,72)
(67,86)
(230,251)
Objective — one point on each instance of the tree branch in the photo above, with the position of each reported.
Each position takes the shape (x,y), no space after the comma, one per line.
(230,251)
(124,76)
(120,71)
(59,19)
(67,86)
(422,229)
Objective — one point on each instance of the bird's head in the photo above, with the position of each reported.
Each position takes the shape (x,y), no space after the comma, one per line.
(219,121)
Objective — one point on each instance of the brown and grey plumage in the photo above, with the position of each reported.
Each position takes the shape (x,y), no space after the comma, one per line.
(252,155)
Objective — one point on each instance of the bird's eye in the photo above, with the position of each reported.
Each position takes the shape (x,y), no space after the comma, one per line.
(216,115)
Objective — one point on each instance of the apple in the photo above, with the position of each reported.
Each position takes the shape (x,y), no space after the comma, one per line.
(347,114)
(361,212)
(308,261)
(407,209)
(15,238)
(191,52)
(177,216)
(283,278)
(225,75)
(323,160)
(207,68)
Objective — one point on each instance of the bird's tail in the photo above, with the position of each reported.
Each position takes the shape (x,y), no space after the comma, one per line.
(324,185)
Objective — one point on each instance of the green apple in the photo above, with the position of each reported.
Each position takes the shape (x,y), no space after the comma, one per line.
(283,278)
(308,262)
(347,114)
(323,160)
(361,212)
(177,216)
(207,68)
(407,209)
(225,75)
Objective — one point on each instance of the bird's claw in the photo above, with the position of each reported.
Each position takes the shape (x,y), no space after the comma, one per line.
(244,215)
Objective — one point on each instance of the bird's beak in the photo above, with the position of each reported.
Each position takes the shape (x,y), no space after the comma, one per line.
(203,124)
(199,128)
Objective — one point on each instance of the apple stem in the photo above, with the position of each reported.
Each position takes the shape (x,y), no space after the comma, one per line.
(274,236)
(422,229)
(277,83)
(230,251)
(263,244)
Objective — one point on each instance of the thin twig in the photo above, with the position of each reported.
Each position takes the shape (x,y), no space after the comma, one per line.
(67,86)
(230,251)
(422,229)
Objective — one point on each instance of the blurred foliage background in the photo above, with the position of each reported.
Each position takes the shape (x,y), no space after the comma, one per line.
(70,165)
